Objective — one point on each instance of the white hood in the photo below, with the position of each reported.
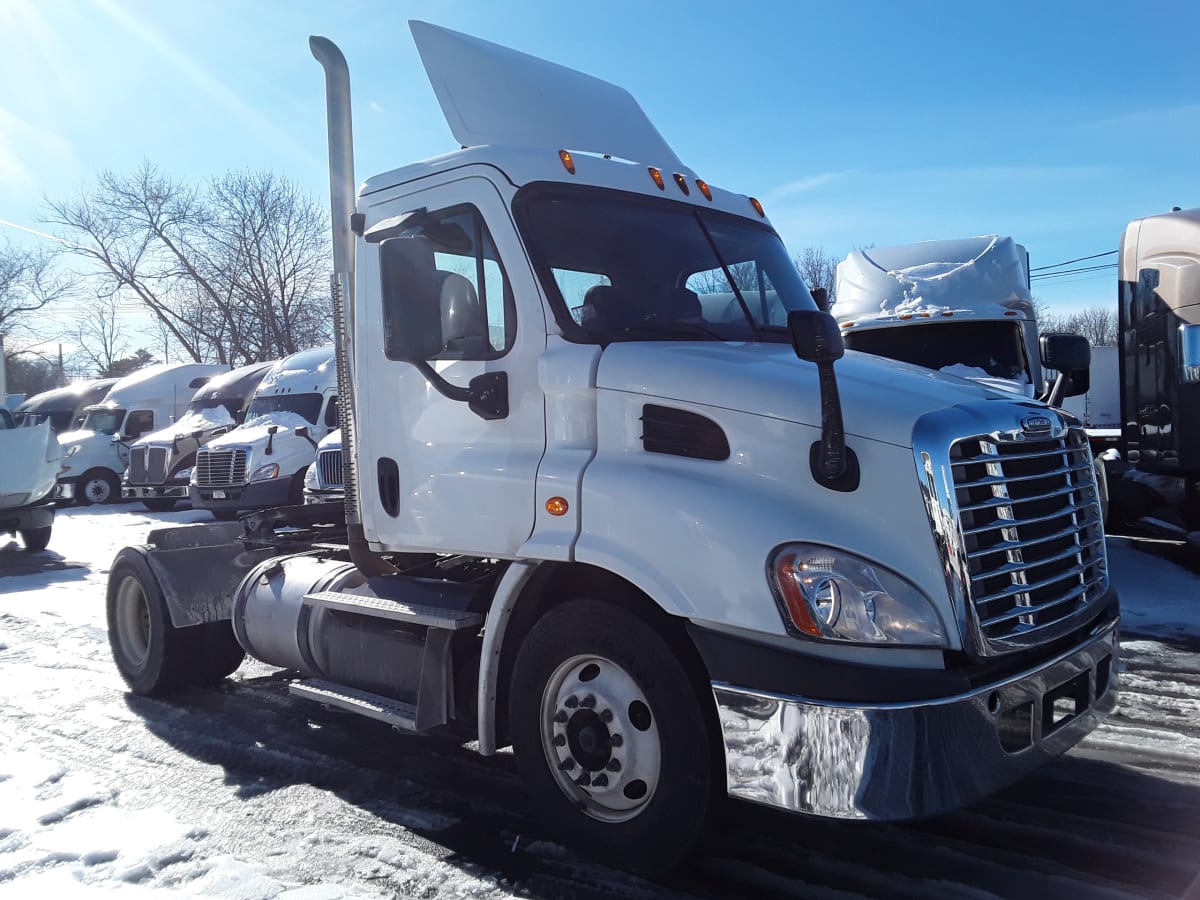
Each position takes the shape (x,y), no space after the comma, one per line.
(881,399)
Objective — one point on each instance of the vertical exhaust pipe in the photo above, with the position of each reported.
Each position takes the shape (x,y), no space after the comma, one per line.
(341,202)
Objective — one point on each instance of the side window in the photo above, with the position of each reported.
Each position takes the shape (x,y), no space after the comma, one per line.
(331,413)
(574,287)
(445,293)
(140,421)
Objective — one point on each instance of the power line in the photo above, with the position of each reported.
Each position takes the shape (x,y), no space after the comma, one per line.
(1099,268)
(1070,261)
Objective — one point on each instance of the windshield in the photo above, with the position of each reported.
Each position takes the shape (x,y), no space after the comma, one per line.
(620,266)
(966,349)
(103,421)
(306,405)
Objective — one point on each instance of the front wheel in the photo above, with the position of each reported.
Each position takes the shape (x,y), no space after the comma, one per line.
(97,486)
(611,737)
(152,655)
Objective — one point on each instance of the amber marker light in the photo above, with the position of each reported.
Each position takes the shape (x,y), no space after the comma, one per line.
(703,185)
(658,179)
(683,185)
(757,207)
(1011,312)
(568,161)
(947,314)
(557,506)
(847,324)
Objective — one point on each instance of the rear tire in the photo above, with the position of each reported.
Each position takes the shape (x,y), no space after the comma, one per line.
(36,539)
(152,655)
(611,737)
(161,505)
(97,486)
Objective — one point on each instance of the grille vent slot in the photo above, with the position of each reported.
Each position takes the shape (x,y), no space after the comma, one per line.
(329,468)
(678,432)
(1031,525)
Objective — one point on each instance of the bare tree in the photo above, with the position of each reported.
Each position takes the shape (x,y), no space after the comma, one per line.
(28,282)
(99,335)
(232,272)
(1098,324)
(818,269)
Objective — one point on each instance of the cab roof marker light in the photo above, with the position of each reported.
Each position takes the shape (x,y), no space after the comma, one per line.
(947,313)
(703,185)
(758,207)
(568,161)
(847,324)
(905,316)
(683,185)
(658,179)
(1011,312)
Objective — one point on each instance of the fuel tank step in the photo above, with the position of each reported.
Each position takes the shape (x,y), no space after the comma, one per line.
(399,715)
(408,613)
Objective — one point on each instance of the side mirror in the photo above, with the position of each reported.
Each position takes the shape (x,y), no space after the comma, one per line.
(817,339)
(1065,352)
(815,336)
(1189,354)
(304,432)
(1071,356)
(821,298)
(411,292)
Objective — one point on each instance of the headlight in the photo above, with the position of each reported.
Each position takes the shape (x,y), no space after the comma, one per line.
(73,449)
(833,595)
(264,473)
(184,475)
(310,479)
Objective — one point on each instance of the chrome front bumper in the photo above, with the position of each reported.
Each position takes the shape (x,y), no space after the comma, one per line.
(155,491)
(910,760)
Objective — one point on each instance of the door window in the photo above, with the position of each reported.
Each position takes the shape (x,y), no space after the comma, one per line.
(140,421)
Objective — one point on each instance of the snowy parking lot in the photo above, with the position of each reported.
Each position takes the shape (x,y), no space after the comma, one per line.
(245,792)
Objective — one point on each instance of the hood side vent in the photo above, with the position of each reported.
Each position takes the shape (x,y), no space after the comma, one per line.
(680,433)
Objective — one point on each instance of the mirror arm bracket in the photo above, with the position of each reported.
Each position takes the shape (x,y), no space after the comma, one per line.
(486,395)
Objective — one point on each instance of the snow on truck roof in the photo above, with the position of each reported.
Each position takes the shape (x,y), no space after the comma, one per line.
(980,276)
(303,372)
(240,382)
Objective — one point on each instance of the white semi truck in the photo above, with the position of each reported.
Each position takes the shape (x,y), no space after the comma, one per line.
(96,454)
(659,546)
(161,463)
(28,480)
(262,462)
(324,482)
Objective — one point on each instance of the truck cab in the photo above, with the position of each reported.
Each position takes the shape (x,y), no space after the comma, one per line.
(28,480)
(615,495)
(96,454)
(63,407)
(261,463)
(160,464)
(324,482)
(960,306)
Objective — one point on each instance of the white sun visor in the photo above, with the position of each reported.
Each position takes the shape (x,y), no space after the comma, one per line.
(496,96)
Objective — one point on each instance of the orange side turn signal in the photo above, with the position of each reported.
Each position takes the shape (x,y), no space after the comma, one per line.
(557,506)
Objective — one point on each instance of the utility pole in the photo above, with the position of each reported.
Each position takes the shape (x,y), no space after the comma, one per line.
(62,376)
(3,374)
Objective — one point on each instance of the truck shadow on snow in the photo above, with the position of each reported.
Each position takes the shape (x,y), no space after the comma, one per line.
(1089,819)
(15,561)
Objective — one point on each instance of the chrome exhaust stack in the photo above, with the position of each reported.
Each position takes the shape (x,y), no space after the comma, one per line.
(342,208)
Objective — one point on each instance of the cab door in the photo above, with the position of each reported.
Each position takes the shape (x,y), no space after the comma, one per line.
(443,270)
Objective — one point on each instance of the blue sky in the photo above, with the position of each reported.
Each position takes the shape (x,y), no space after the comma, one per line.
(855,123)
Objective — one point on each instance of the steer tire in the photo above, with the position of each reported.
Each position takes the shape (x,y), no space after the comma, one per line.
(654,806)
(36,539)
(97,486)
(152,655)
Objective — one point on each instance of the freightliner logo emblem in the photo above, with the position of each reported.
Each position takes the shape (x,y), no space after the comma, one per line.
(1036,424)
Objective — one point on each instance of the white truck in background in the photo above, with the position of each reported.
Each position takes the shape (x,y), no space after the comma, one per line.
(96,454)
(961,307)
(64,406)
(262,462)
(663,548)
(160,463)
(28,480)
(323,483)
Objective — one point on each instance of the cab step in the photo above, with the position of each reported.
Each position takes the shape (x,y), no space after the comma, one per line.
(400,715)
(397,611)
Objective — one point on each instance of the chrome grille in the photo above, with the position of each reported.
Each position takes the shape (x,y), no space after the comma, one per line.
(329,468)
(156,465)
(1030,521)
(220,468)
(137,465)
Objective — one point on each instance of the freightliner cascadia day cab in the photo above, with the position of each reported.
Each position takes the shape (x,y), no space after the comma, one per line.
(262,462)
(63,407)
(160,464)
(609,501)
(1156,480)
(95,455)
(28,480)
(323,483)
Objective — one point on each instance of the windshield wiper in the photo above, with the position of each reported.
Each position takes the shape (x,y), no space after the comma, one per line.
(728,276)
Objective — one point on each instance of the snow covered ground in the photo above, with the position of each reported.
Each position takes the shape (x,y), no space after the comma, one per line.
(243,792)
